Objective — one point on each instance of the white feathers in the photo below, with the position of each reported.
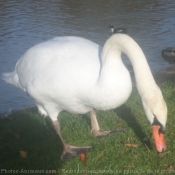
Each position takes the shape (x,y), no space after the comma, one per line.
(74,74)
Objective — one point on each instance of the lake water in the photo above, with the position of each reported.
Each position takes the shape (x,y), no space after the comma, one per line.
(26,23)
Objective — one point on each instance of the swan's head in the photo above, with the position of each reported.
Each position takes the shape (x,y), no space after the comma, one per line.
(156,111)
(169,54)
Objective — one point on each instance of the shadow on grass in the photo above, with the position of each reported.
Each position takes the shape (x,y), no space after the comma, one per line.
(86,117)
(26,131)
(125,114)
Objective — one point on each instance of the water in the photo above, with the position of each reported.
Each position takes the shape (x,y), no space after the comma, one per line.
(26,23)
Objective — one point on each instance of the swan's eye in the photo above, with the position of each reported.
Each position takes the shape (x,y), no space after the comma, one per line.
(156,122)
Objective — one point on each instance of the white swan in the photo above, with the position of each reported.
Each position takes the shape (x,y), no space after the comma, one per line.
(72,74)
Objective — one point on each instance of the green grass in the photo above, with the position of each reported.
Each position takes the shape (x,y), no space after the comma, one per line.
(109,156)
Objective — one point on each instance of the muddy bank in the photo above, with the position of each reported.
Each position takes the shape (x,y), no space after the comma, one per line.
(165,75)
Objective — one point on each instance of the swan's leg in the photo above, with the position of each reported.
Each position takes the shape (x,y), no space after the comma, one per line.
(69,151)
(41,110)
(97,133)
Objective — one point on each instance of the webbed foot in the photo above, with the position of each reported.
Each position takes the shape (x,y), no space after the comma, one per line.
(99,133)
(70,151)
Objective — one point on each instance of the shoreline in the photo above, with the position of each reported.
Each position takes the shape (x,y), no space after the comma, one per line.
(165,75)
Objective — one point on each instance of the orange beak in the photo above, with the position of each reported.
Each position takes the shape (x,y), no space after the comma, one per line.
(159,139)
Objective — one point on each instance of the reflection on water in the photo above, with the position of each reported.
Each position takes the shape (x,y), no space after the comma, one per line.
(26,23)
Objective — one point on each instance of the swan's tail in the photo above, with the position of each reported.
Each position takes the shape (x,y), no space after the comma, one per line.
(12,78)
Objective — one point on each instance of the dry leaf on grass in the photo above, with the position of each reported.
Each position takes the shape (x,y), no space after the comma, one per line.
(170,168)
(119,124)
(9,131)
(131,145)
(83,157)
(163,153)
(17,136)
(23,154)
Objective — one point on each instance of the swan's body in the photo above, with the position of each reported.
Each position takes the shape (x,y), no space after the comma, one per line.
(57,75)
(74,74)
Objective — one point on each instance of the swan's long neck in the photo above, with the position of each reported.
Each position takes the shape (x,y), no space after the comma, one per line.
(123,43)
(151,95)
